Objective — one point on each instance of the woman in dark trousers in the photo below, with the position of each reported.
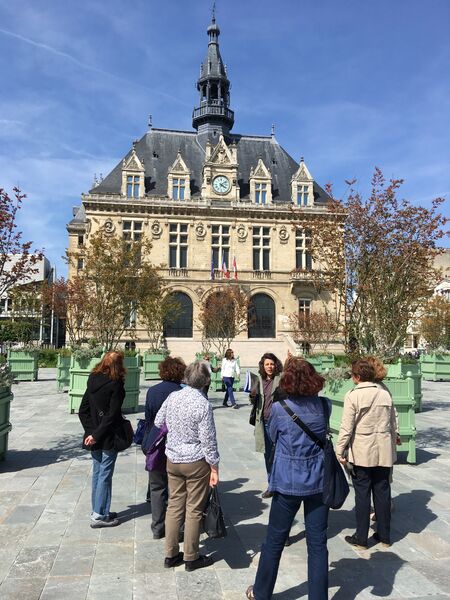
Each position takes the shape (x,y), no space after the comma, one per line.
(171,371)
(100,413)
(269,371)
(296,478)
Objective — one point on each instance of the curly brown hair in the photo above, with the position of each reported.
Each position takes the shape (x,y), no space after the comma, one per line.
(112,366)
(378,367)
(172,369)
(269,356)
(300,378)
(363,369)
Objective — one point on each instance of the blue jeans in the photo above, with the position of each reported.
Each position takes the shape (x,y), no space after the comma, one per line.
(229,395)
(282,514)
(102,473)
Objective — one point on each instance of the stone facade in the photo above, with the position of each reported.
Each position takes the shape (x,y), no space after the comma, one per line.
(209,201)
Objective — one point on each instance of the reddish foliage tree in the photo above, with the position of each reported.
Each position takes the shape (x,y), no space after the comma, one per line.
(17,259)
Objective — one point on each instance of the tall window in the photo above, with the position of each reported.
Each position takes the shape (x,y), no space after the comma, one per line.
(182,325)
(132,230)
(304,310)
(261,248)
(178,188)
(260,193)
(303,258)
(220,242)
(178,241)
(133,186)
(302,195)
(261,317)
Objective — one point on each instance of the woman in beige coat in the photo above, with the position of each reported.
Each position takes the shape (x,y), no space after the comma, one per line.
(367,439)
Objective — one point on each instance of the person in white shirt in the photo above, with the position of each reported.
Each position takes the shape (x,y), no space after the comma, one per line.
(230,370)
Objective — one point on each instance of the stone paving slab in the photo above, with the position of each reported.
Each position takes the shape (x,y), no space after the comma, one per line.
(48,551)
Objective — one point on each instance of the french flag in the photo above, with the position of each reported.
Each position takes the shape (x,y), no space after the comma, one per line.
(235,274)
(225,271)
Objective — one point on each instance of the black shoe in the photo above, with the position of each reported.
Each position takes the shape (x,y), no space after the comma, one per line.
(267,494)
(112,515)
(225,404)
(202,561)
(174,561)
(159,536)
(288,541)
(377,540)
(100,523)
(353,541)
(235,406)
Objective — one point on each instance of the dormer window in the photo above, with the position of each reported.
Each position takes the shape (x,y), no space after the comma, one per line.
(133,175)
(132,186)
(260,184)
(260,193)
(178,188)
(179,180)
(302,195)
(302,186)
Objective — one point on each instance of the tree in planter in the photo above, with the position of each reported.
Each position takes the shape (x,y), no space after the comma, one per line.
(157,309)
(313,329)
(119,279)
(18,262)
(224,315)
(70,302)
(383,270)
(435,324)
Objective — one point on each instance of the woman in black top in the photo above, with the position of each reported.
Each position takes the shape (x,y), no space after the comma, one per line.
(100,413)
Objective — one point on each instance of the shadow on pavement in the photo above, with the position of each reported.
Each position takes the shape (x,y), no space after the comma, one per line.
(66,449)
(353,575)
(412,515)
(134,511)
(434,437)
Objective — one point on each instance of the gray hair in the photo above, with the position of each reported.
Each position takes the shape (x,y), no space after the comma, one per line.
(197,375)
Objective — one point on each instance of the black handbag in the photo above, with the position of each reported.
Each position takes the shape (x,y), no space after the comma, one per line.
(213,521)
(335,485)
(123,435)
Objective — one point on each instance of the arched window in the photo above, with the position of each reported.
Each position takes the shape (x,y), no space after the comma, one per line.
(182,325)
(261,317)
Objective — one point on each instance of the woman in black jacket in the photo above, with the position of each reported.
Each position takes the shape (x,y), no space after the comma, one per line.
(100,413)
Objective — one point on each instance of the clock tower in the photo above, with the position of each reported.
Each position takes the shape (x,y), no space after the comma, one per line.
(220,171)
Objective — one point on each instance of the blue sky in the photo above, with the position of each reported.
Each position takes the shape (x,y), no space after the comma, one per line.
(348,85)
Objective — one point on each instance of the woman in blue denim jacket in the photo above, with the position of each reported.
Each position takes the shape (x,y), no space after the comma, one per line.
(296,477)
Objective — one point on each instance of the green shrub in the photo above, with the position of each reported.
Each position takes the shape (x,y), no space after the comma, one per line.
(47,357)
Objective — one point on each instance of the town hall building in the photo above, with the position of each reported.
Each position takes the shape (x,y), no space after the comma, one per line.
(218,208)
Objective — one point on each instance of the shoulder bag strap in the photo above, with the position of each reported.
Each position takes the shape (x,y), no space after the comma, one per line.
(302,425)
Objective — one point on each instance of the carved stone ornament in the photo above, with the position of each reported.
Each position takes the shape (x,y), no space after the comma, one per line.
(199,291)
(200,231)
(156,229)
(242,233)
(109,226)
(283,234)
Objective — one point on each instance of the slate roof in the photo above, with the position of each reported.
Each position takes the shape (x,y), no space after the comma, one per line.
(158,149)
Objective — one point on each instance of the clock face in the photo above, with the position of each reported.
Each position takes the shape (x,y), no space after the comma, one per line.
(221,184)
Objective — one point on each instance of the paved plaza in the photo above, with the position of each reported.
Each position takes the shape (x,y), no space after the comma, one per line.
(48,551)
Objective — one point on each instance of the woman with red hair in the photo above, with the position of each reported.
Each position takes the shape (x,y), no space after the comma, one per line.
(100,414)
(296,478)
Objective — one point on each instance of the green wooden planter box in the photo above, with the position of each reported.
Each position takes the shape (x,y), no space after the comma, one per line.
(435,367)
(151,362)
(400,370)
(321,363)
(24,365)
(79,373)
(132,381)
(402,391)
(63,372)
(5,426)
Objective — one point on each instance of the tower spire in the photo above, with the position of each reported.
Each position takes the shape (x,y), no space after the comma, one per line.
(213,112)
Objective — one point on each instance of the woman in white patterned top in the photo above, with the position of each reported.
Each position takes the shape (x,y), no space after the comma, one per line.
(192,465)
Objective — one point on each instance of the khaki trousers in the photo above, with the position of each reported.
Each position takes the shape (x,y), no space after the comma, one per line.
(188,491)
